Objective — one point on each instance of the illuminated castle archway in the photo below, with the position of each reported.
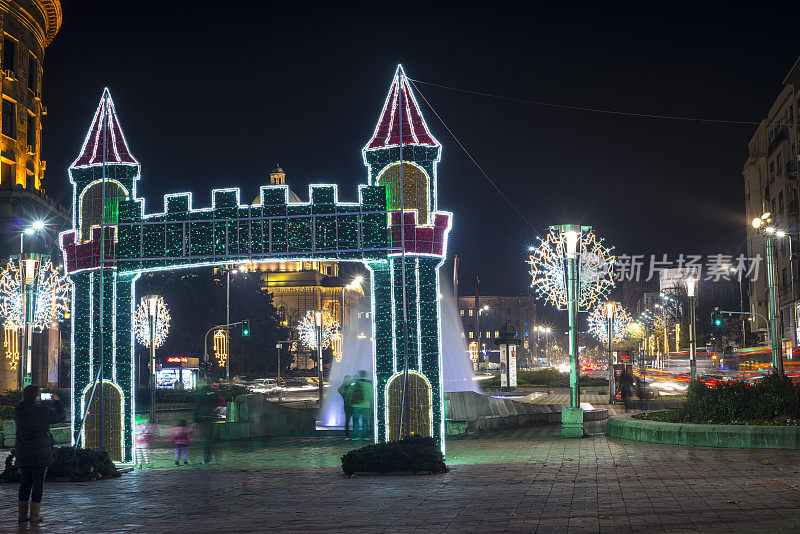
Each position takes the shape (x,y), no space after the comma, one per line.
(181,236)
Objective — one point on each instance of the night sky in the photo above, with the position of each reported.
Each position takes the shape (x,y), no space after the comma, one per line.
(214,97)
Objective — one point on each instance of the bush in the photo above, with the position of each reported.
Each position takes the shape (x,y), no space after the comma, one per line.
(773,398)
(546,378)
(413,454)
(75,465)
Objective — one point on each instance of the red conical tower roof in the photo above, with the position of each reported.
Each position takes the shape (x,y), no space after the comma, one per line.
(105,118)
(401,111)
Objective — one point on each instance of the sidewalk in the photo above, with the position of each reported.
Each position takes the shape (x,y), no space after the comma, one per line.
(522,480)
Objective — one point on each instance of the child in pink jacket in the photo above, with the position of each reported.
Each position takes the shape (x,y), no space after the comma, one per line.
(180,440)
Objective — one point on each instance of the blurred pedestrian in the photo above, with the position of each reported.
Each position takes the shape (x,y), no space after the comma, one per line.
(361,401)
(346,390)
(206,413)
(144,435)
(33,448)
(626,389)
(180,440)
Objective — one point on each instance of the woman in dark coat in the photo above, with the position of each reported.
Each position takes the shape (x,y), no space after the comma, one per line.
(34,446)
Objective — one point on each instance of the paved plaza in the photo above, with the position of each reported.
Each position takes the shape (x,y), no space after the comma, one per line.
(526,480)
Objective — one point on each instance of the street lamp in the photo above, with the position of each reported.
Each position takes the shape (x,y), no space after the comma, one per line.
(691,286)
(610,308)
(764,226)
(29,268)
(29,278)
(572,234)
(151,303)
(240,269)
(318,324)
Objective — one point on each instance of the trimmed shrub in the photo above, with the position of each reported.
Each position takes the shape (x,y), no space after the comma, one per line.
(775,397)
(75,465)
(414,454)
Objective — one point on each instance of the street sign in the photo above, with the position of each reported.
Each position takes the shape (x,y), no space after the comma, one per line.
(735,349)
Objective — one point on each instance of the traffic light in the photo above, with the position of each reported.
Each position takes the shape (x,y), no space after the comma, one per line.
(716,318)
(245,328)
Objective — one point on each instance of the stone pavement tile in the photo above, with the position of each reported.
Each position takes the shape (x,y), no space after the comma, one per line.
(514,481)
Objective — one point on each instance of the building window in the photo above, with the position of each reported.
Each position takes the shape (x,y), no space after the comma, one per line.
(462,335)
(8,175)
(470,313)
(462,313)
(31,135)
(9,119)
(9,53)
(33,73)
(470,335)
(496,333)
(488,334)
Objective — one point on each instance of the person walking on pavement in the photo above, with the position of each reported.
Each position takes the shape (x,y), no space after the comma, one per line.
(33,448)
(361,401)
(346,390)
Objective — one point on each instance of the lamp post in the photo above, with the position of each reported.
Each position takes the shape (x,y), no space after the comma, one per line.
(152,311)
(572,233)
(30,268)
(610,308)
(691,286)
(764,227)
(318,324)
(25,372)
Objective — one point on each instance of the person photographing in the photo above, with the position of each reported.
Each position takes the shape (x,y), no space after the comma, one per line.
(33,448)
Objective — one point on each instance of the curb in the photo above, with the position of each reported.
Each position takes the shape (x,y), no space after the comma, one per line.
(733,436)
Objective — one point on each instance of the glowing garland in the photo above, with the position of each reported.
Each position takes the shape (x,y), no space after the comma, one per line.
(11,344)
(142,322)
(52,297)
(221,347)
(307,329)
(51,302)
(11,296)
(595,271)
(598,324)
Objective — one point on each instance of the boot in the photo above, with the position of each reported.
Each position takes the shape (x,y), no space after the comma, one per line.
(35,507)
(23,511)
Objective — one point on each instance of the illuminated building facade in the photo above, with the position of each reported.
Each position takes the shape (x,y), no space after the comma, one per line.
(28,27)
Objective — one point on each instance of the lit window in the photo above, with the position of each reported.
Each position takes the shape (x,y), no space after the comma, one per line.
(496,333)
(366,315)
(488,334)
(470,313)
(462,313)
(462,335)
(9,119)
(470,335)
(9,54)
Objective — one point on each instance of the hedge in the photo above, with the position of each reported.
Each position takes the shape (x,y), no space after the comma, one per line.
(414,455)
(75,465)
(775,400)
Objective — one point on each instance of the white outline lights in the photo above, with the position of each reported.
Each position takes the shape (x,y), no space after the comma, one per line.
(142,323)
(547,268)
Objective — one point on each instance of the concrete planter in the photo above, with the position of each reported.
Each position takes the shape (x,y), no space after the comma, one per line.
(734,436)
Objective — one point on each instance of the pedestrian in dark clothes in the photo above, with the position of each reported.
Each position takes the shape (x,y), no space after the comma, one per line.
(33,448)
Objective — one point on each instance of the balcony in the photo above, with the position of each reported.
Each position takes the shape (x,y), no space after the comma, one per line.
(781,134)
